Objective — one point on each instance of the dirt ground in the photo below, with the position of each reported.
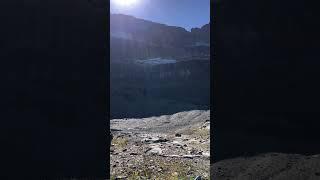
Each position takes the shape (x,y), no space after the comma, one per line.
(166,147)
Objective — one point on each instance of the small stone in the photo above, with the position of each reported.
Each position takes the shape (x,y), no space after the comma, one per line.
(154,151)
(147,150)
(121,177)
(124,150)
(154,140)
(177,143)
(178,135)
(193,151)
(175,174)
(207,154)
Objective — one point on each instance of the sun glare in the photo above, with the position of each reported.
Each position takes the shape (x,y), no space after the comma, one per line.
(125,2)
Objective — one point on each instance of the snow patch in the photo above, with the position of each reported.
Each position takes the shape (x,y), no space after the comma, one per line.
(202,44)
(156,61)
(122,35)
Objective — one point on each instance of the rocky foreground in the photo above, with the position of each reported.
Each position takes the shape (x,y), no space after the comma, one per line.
(270,166)
(165,147)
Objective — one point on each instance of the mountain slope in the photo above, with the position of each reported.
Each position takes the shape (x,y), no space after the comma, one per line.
(133,38)
(152,62)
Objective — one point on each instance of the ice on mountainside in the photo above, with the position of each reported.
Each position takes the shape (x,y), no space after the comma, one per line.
(156,61)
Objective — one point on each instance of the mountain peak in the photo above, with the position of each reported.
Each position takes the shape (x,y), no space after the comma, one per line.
(132,18)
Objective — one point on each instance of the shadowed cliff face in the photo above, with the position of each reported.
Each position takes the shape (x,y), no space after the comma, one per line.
(157,69)
(266,76)
(150,32)
(142,91)
(52,99)
(133,38)
(201,34)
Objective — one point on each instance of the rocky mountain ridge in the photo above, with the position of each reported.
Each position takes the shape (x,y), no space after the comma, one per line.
(137,38)
(152,62)
(157,33)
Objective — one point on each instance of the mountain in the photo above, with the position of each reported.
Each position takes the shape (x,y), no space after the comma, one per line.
(201,34)
(148,32)
(142,91)
(152,66)
(134,38)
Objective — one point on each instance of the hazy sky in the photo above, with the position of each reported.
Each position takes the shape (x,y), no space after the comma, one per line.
(183,13)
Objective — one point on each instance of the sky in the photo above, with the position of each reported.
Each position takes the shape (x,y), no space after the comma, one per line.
(183,13)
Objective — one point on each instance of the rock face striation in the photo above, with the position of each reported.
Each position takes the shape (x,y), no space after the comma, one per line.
(143,90)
